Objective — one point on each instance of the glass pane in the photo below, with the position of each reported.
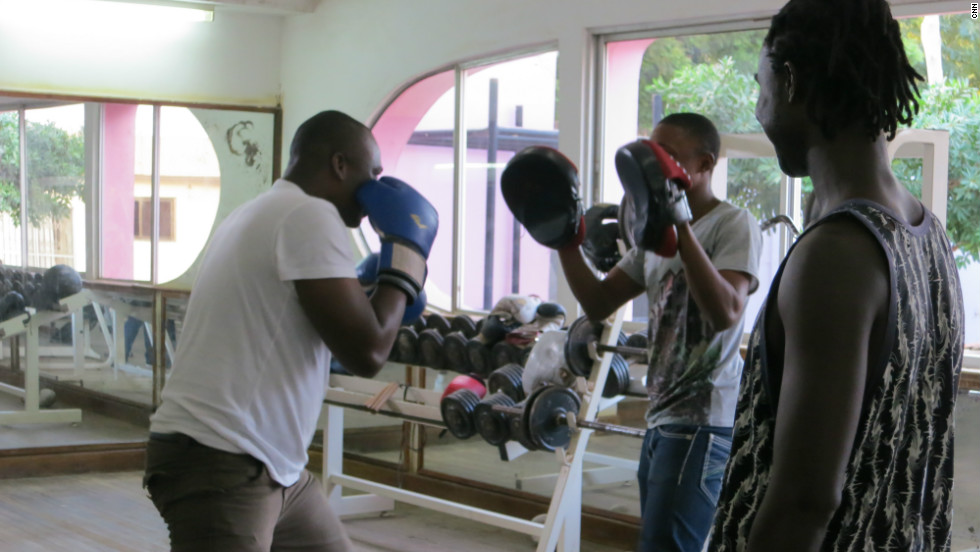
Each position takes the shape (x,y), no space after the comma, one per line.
(190,188)
(10,230)
(508,106)
(55,149)
(646,79)
(126,171)
(415,135)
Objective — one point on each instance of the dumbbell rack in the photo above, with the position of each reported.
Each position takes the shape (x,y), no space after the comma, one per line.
(28,325)
(561,529)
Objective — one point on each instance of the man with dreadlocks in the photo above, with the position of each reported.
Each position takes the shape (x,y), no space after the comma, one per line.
(843,436)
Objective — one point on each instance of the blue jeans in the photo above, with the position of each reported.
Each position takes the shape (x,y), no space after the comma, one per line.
(680,473)
(133,327)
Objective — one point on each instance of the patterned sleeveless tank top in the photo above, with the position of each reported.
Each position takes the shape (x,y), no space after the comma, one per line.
(897,491)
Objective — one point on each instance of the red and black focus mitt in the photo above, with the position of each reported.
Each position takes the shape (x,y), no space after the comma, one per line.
(655,201)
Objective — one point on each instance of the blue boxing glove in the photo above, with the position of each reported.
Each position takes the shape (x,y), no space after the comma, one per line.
(407,224)
(367,275)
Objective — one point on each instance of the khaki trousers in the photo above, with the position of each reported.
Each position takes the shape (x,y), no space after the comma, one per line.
(217,501)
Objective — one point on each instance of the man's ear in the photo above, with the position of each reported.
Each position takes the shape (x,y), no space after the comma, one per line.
(338,162)
(792,82)
(707,161)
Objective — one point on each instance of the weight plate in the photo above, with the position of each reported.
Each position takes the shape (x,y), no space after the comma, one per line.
(618,379)
(457,412)
(493,426)
(638,340)
(581,334)
(546,428)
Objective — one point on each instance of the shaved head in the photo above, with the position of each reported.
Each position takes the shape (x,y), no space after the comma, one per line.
(326,133)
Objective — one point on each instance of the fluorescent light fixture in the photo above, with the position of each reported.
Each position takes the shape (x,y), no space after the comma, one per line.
(111,12)
(159,10)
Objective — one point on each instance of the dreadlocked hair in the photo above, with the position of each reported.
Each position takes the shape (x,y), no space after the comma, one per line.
(850,62)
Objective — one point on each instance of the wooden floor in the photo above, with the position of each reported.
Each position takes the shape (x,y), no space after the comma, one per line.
(109,512)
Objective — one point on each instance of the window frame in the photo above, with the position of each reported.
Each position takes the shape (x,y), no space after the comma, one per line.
(460,70)
(146,202)
(93,133)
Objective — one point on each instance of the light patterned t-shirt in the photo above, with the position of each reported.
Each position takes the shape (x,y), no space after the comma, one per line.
(694,370)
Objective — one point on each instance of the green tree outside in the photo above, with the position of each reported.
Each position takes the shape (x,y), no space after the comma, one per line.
(713,75)
(55,169)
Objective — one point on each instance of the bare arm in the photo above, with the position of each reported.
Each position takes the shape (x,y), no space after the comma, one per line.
(599,298)
(720,294)
(834,288)
(359,332)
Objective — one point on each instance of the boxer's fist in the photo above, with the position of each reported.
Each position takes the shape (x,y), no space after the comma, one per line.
(407,224)
(367,275)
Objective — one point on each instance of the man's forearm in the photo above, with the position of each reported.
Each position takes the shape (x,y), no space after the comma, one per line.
(783,527)
(583,283)
(715,296)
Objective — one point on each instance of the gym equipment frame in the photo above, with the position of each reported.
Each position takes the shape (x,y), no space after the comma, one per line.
(561,529)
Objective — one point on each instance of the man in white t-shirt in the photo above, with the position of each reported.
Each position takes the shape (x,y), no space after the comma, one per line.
(277,294)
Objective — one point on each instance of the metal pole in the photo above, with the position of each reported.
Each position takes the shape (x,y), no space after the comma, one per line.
(155,200)
(656,109)
(24,196)
(491,196)
(515,282)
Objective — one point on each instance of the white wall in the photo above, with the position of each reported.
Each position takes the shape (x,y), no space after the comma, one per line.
(353,55)
(232,60)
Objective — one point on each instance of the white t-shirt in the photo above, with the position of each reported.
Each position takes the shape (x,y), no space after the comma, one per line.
(694,370)
(250,370)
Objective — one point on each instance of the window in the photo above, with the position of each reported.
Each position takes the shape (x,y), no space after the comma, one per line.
(90,171)
(143,219)
(53,158)
(711,74)
(647,77)
(480,254)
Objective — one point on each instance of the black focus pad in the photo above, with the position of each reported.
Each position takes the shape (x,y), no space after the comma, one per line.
(601,234)
(540,186)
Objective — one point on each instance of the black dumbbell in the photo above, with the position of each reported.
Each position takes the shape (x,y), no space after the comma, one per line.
(463,324)
(504,353)
(430,349)
(454,350)
(493,425)
(12,304)
(437,322)
(509,380)
(407,345)
(458,403)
